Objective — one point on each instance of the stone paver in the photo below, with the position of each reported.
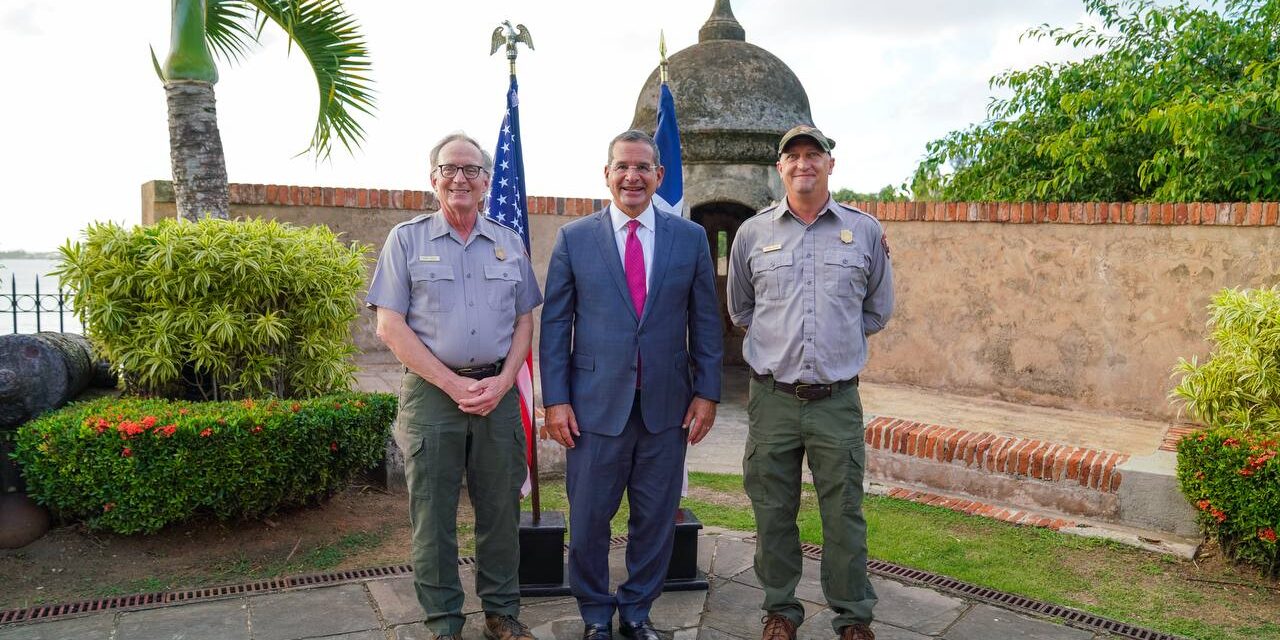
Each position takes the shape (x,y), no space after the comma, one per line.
(732,557)
(396,600)
(819,628)
(918,609)
(308,613)
(985,622)
(678,610)
(87,628)
(372,634)
(711,633)
(200,621)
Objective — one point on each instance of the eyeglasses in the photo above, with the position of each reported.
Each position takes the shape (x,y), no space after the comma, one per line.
(642,169)
(470,171)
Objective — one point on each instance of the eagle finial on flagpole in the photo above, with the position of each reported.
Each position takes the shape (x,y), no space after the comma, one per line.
(510,36)
(662,53)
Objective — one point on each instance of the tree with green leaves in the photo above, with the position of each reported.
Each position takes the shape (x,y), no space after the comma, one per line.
(887,193)
(321,29)
(1181,103)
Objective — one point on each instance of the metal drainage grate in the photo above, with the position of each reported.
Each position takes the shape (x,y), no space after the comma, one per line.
(159,598)
(1072,617)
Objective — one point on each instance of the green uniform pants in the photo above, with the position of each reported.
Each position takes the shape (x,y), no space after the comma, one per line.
(782,429)
(440,444)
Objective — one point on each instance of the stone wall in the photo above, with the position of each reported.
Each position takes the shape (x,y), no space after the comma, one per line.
(1074,305)
(1082,305)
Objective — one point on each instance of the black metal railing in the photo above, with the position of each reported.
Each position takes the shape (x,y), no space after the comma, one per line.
(55,305)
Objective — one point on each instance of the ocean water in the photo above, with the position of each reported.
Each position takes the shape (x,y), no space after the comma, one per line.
(21,276)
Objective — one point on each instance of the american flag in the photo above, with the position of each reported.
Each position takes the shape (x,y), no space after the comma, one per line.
(506,206)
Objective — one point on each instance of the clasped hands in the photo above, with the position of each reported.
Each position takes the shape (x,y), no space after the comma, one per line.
(478,397)
(562,426)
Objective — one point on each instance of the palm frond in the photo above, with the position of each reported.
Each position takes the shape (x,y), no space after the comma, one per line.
(330,39)
(226,26)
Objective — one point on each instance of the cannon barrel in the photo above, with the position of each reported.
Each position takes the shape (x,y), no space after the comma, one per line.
(45,371)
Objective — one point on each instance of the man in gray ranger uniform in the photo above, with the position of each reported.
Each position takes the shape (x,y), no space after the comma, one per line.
(454,292)
(810,279)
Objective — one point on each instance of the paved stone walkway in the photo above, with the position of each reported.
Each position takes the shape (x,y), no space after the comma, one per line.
(387,610)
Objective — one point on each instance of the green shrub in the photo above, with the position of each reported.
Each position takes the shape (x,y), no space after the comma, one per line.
(136,465)
(1229,471)
(218,310)
(1239,384)
(1233,479)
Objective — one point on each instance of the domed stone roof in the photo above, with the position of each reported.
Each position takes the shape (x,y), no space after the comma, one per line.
(734,100)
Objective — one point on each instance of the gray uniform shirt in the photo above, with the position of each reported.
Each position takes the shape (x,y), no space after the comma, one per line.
(809,294)
(462,299)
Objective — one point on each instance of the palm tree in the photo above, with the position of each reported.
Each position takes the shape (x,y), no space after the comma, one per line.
(325,33)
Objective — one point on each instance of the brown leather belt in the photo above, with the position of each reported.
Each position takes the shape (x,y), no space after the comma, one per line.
(481,372)
(804,390)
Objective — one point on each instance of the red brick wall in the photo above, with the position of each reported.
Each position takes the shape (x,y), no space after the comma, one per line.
(1240,214)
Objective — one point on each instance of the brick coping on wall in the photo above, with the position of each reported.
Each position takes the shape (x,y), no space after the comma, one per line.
(1238,214)
(1036,459)
(394,199)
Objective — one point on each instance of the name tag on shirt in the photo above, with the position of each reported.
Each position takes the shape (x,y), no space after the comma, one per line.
(428,258)
(771,247)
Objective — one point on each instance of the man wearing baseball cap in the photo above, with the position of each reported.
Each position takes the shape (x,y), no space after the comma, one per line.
(810,279)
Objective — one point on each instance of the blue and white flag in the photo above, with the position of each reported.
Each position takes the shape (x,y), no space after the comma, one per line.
(670,193)
(507,207)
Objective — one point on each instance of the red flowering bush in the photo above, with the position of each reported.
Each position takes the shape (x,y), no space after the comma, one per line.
(1230,471)
(136,465)
(1232,476)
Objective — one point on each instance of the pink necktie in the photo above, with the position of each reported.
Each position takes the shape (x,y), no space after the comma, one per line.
(633,262)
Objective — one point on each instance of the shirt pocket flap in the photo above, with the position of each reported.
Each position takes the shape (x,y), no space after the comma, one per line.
(502,272)
(772,260)
(841,258)
(430,272)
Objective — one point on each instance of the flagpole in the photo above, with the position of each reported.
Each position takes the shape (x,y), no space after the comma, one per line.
(510,37)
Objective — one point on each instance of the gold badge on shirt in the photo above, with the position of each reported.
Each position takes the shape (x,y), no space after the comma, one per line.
(500,253)
(846,236)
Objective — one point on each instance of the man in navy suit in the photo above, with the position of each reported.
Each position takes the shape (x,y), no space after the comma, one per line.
(630,357)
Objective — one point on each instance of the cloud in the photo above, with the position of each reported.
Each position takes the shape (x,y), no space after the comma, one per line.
(22,19)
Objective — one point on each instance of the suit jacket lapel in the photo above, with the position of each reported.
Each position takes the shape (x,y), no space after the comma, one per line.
(611,260)
(661,255)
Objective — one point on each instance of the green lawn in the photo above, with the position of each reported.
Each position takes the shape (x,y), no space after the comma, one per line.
(1103,577)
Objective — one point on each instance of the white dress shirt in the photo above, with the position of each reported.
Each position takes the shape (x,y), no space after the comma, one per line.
(644,232)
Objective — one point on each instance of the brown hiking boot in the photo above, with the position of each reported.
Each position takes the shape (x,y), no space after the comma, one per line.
(857,631)
(778,627)
(500,627)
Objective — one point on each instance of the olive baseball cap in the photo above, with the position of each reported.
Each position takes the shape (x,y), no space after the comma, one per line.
(826,143)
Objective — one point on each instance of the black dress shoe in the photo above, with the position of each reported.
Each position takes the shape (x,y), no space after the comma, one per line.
(598,632)
(642,630)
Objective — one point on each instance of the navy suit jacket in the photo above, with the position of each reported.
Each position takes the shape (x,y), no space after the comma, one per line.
(591,335)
